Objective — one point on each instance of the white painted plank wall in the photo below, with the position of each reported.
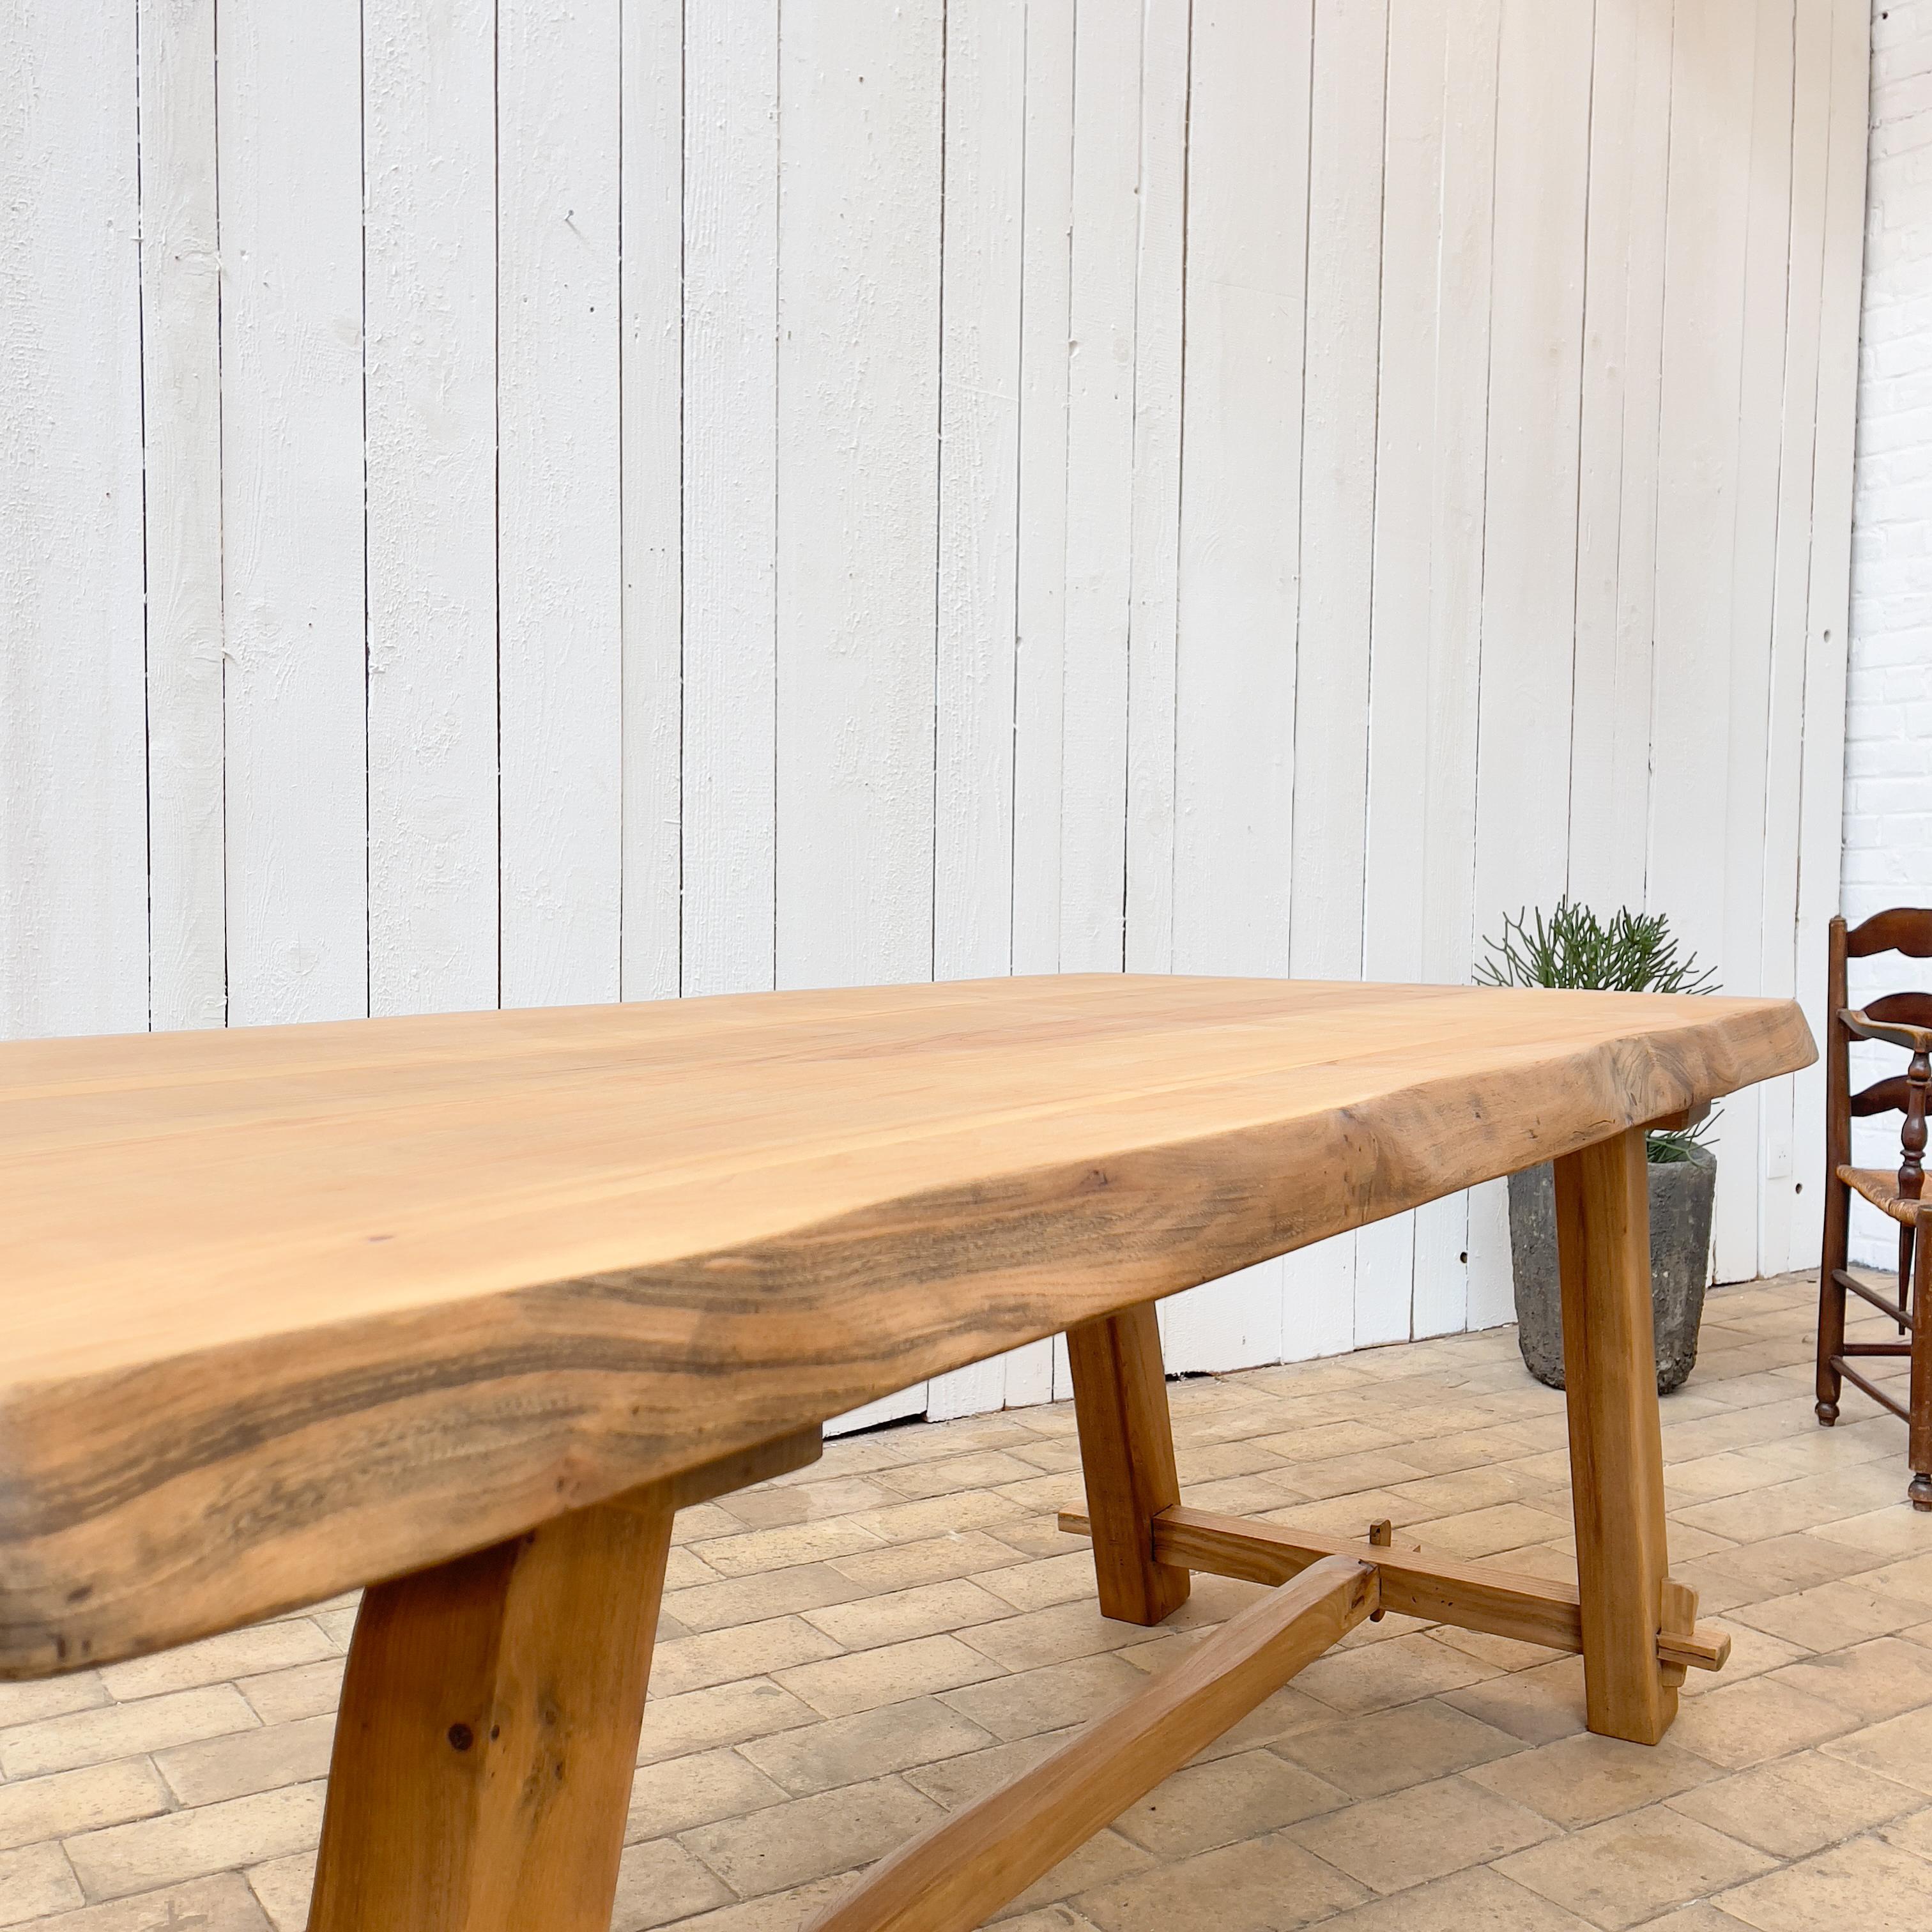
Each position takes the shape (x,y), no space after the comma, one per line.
(1329,1302)
(1108,108)
(981,307)
(1240,523)
(559,568)
(730,493)
(1832,840)
(429,297)
(1526,658)
(72,821)
(653,498)
(651,298)
(181,378)
(861,111)
(1699,469)
(295,604)
(1779,1202)
(1458,447)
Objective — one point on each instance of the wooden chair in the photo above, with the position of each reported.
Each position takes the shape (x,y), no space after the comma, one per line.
(1903,1020)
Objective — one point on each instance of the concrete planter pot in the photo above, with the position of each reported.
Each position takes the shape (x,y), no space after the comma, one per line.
(1680,1265)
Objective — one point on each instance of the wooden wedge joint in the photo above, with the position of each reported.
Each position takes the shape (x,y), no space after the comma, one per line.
(969,1865)
(1680,1644)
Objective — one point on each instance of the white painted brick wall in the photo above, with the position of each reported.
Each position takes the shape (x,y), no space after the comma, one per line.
(1887,859)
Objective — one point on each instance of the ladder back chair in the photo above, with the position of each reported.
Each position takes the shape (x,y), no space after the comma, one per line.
(1903,1020)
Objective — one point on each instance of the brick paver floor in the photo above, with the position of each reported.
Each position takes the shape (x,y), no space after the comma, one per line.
(849,1653)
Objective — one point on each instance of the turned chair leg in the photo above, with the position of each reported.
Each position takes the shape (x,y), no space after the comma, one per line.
(1919,1402)
(1831,1298)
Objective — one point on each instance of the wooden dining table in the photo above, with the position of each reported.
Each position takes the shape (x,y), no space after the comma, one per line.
(461,1309)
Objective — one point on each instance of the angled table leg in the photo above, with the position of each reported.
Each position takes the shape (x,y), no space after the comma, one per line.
(1616,1444)
(488,1731)
(1127,1453)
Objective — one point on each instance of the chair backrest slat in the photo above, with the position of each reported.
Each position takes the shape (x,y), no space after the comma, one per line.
(1887,1095)
(1906,929)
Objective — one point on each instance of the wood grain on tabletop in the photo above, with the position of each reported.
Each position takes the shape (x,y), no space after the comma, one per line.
(289,1309)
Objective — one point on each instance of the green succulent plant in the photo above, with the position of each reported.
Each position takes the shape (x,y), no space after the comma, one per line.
(1629,952)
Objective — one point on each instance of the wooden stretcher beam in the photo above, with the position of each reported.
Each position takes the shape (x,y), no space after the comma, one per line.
(965,1869)
(1472,1596)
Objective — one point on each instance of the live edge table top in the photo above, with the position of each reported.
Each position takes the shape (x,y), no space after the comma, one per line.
(286,1310)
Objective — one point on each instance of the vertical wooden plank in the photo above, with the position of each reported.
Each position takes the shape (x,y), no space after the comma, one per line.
(1397,698)
(1610,731)
(1522,838)
(1536,343)
(1459,448)
(1781,1202)
(858,330)
(979,488)
(1697,466)
(978,530)
(290,103)
(1695,731)
(1613,258)
(1625,833)
(1616,1445)
(1247,193)
(73,908)
(1767,270)
(1046,216)
(1337,565)
(731,497)
(1046,223)
(181,389)
(1241,497)
(860,143)
(429,113)
(1338,492)
(1159,286)
(651,375)
(559,573)
(1099,487)
(979,535)
(1126,1457)
(1821,825)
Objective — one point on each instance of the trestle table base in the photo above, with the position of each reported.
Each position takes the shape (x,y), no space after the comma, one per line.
(491,1707)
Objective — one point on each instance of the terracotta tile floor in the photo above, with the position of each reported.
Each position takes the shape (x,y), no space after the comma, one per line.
(848,1653)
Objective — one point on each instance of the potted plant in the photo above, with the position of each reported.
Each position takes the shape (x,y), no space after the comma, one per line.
(1630,952)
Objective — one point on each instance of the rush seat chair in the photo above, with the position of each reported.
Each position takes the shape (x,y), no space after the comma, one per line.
(1903,1020)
